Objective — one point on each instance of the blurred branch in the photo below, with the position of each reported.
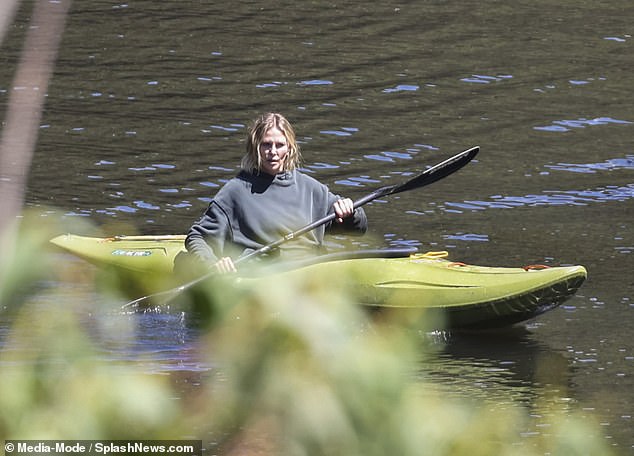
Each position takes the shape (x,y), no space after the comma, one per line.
(26,100)
(7,10)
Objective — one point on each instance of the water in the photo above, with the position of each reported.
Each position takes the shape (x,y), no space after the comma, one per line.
(147,111)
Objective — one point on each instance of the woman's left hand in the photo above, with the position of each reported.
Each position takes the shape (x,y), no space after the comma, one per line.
(344,208)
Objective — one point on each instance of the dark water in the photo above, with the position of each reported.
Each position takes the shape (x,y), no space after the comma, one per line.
(146,115)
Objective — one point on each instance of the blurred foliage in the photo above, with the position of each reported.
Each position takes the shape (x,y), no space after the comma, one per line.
(301,370)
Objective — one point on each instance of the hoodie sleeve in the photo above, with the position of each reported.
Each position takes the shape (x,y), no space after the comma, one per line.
(206,238)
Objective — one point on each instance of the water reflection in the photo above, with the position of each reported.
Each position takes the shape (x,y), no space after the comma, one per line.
(505,368)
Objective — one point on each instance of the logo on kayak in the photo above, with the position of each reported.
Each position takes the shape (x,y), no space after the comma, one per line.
(131,253)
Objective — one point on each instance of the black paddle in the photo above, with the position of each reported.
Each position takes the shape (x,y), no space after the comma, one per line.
(429,176)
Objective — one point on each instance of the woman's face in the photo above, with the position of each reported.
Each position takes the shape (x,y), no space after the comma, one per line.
(273,151)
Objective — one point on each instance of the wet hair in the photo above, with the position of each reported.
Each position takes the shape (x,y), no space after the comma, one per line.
(252,160)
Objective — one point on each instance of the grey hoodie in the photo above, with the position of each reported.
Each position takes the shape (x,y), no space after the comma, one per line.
(252,210)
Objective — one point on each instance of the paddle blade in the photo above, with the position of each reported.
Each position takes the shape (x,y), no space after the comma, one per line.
(437,172)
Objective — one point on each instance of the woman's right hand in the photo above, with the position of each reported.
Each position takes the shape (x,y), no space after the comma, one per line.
(225,265)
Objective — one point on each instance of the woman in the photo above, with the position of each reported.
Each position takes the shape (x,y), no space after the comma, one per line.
(268,199)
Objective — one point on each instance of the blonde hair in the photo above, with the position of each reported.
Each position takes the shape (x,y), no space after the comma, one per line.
(252,160)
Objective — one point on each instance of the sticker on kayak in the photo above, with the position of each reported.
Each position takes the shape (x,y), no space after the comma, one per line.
(131,253)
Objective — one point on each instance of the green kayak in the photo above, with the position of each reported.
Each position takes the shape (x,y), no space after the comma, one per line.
(466,296)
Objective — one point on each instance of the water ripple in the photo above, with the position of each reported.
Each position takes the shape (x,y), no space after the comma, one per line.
(145,205)
(617,38)
(314,82)
(467,237)
(590,168)
(547,198)
(270,84)
(231,128)
(336,132)
(357,181)
(389,156)
(484,79)
(566,125)
(401,88)
(318,165)
(209,79)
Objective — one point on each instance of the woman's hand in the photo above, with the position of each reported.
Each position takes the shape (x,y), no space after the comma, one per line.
(344,208)
(225,265)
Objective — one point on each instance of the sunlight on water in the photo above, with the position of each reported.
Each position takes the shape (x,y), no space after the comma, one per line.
(467,237)
(611,164)
(483,79)
(566,125)
(549,198)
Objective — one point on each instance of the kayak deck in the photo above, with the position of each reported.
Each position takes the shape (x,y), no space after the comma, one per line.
(466,296)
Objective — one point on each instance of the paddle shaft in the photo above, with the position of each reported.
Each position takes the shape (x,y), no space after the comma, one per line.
(427,177)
